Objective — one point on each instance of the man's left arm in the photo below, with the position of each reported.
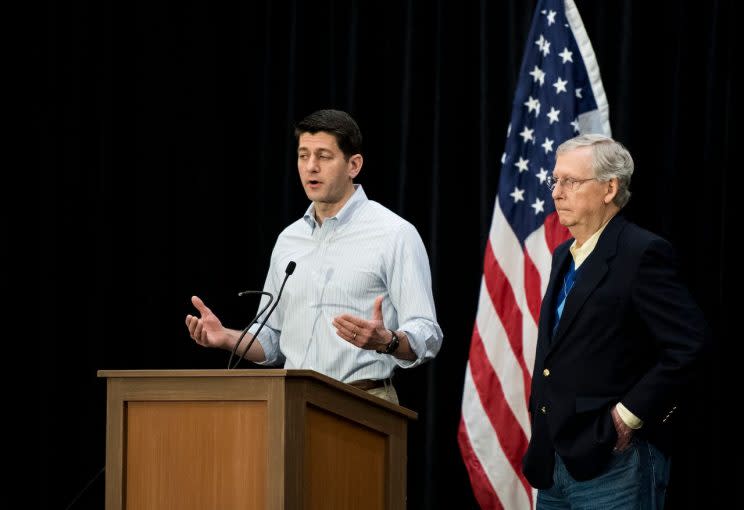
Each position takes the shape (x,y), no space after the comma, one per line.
(417,336)
(373,335)
(676,325)
(410,290)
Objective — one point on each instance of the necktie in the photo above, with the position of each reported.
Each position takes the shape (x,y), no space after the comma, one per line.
(568,283)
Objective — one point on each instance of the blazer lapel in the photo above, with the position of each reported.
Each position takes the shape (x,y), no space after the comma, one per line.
(591,273)
(560,261)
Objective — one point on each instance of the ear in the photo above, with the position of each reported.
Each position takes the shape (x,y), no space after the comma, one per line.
(355,165)
(611,193)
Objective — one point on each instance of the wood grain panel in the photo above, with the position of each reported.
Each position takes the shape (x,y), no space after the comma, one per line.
(344,464)
(196,455)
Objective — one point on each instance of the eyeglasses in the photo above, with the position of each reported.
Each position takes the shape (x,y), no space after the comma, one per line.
(566,183)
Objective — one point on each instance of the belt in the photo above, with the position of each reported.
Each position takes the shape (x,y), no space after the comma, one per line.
(368,384)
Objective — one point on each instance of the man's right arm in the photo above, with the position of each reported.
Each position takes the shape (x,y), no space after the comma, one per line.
(208,331)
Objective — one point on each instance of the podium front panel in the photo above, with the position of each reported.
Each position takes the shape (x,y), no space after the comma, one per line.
(344,463)
(195,455)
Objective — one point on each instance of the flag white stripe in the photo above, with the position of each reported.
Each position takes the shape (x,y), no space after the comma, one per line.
(538,251)
(508,253)
(537,248)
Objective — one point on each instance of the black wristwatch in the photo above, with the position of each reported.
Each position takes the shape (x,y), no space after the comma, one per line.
(392,346)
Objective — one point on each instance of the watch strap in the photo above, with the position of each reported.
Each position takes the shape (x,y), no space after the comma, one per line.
(393,345)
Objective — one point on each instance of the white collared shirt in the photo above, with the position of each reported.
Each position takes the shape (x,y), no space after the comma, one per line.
(343,264)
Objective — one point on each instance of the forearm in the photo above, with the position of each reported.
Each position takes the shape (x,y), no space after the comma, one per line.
(255,352)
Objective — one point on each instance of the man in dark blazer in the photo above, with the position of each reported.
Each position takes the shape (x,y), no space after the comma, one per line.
(619,339)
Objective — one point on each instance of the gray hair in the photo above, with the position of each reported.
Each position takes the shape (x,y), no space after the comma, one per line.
(610,159)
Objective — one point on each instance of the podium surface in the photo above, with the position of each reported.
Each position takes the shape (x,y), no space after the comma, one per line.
(250,439)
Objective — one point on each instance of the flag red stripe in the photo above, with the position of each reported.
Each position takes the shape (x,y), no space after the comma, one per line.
(512,439)
(482,489)
(532,293)
(555,233)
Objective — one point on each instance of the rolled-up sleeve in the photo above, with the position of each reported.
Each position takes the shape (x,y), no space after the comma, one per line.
(411,295)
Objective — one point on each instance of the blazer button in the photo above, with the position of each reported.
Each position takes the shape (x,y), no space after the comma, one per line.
(546,372)
(543,409)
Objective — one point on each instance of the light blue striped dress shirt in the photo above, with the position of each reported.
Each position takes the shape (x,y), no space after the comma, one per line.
(363,252)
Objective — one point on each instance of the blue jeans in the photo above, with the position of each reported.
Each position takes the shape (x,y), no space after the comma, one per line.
(635,479)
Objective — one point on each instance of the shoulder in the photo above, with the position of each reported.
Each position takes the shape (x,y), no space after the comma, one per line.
(636,247)
(292,236)
(377,210)
(297,227)
(634,232)
(638,239)
(386,220)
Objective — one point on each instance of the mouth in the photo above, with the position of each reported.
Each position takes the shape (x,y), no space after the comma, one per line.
(312,183)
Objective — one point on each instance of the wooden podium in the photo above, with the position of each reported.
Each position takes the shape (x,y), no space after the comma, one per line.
(250,439)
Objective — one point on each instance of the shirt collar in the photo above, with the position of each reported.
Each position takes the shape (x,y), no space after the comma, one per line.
(581,253)
(357,199)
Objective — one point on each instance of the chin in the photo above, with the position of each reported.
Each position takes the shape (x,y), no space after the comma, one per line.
(566,222)
(312,194)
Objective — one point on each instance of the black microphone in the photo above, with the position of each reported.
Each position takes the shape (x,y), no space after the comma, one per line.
(245,329)
(290,269)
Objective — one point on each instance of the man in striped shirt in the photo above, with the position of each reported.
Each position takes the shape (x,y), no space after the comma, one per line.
(359,303)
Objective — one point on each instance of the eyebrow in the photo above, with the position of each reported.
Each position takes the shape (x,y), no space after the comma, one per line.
(319,149)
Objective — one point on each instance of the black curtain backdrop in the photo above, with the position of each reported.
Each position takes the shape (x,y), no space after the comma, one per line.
(167,168)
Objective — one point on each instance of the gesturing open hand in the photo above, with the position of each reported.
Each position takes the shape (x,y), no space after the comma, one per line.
(365,334)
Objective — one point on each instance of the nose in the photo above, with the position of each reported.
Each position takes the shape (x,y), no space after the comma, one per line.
(312,164)
(556,193)
(308,164)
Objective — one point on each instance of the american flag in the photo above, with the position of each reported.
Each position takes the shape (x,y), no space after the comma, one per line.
(559,95)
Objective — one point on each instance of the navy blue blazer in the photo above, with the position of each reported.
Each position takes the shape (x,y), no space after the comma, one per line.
(630,332)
